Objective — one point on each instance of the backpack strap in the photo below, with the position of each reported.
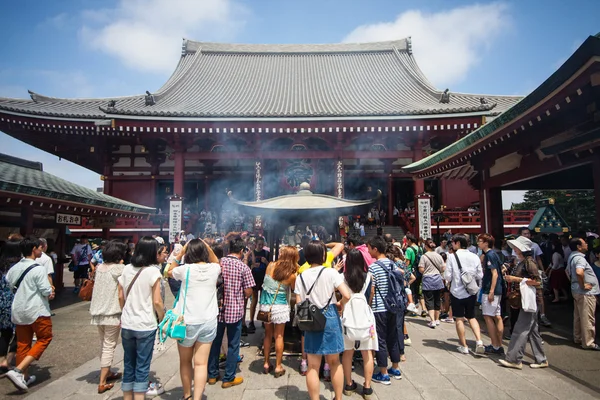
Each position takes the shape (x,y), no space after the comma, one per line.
(32,266)
(314,283)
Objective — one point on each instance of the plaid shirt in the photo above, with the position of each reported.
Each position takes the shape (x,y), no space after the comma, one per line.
(236,278)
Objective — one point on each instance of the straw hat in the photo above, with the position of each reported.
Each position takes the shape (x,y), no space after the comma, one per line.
(521,243)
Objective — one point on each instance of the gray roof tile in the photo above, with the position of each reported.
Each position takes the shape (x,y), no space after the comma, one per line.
(16,176)
(248,80)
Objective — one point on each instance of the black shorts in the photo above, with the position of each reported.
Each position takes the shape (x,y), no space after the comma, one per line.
(433,299)
(81,272)
(259,277)
(463,308)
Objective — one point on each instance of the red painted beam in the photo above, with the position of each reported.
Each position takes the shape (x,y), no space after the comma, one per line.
(275,155)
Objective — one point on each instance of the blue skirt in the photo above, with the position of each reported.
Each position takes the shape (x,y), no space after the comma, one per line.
(330,340)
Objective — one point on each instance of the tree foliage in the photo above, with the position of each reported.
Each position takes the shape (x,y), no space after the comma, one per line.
(577,207)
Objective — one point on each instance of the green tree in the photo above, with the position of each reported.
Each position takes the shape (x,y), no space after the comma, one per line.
(577,207)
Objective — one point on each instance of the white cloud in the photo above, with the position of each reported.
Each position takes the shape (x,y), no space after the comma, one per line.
(145,34)
(446,44)
(510,197)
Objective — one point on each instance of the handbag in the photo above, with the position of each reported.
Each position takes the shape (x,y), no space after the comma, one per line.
(86,290)
(265,316)
(311,317)
(173,324)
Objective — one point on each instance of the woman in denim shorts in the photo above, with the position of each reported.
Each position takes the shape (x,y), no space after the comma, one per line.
(200,314)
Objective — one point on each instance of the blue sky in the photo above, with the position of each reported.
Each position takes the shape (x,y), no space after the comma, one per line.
(85,48)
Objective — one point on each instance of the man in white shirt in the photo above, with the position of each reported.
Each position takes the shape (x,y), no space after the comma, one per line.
(463,303)
(45,260)
(30,311)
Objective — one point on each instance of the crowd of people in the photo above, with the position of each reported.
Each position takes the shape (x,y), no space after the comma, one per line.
(350,301)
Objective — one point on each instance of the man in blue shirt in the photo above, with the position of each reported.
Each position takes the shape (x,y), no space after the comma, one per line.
(492,293)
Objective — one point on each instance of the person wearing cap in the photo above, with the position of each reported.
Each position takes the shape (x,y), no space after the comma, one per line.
(584,287)
(526,328)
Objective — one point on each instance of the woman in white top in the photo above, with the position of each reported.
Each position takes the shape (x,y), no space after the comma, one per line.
(200,314)
(140,298)
(330,341)
(106,310)
(359,281)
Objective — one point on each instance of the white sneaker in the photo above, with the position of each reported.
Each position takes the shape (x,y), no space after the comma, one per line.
(437,322)
(462,350)
(155,389)
(17,379)
(479,348)
(412,308)
(431,324)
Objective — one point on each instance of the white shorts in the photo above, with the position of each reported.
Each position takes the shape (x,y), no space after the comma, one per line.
(491,309)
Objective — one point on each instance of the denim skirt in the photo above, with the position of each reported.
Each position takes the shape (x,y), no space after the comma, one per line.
(328,341)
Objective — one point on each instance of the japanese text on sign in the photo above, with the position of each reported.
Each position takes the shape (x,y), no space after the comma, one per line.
(68,219)
(424,218)
(174,219)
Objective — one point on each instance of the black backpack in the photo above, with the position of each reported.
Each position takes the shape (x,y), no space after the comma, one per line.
(395,301)
(310,317)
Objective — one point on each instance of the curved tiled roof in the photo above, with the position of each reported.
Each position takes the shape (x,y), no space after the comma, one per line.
(18,177)
(588,50)
(214,80)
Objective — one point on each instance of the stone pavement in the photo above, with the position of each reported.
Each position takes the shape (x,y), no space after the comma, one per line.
(434,370)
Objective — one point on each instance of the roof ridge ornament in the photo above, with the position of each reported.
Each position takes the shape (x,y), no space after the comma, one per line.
(184,47)
(409,45)
(149,99)
(445,97)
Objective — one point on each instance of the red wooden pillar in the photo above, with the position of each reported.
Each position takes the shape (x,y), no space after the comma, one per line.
(490,206)
(179,173)
(419,183)
(26,220)
(596,177)
(107,177)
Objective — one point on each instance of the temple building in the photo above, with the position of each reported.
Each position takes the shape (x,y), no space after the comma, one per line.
(259,120)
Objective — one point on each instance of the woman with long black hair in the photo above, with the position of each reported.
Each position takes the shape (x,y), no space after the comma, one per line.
(140,298)
(359,281)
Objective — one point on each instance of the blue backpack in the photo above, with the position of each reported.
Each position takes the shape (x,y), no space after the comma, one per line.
(395,301)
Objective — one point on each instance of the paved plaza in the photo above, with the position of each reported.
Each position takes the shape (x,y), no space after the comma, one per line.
(434,370)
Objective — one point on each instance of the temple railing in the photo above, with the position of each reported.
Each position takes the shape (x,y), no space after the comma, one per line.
(465,218)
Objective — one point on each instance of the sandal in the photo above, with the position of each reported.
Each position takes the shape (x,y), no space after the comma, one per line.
(105,388)
(114,376)
(267,371)
(279,373)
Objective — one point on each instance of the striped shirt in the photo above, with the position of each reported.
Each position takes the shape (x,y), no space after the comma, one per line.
(381,279)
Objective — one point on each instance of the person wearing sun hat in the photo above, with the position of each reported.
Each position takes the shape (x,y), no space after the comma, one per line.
(526,328)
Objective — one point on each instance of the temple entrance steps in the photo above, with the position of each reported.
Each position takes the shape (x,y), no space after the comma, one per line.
(396,232)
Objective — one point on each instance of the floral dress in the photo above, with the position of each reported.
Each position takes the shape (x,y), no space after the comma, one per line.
(6,300)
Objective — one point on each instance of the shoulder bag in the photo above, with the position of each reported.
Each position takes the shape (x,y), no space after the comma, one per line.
(87,289)
(311,317)
(468,279)
(173,324)
(265,316)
